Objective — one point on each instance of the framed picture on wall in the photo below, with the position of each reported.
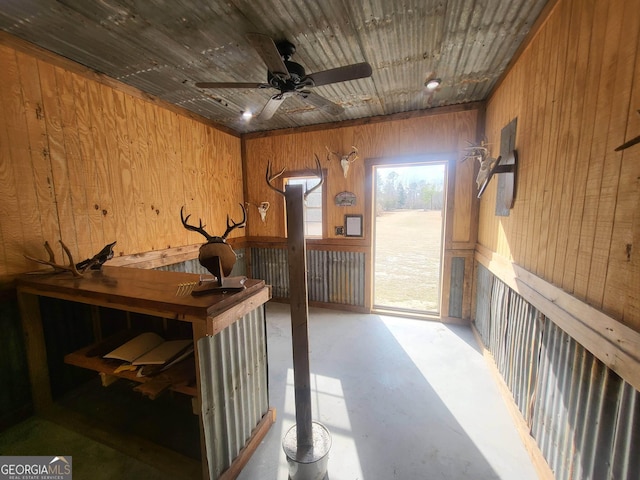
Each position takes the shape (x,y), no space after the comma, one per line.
(353,225)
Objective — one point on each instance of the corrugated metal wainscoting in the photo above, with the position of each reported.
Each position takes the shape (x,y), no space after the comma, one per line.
(233,376)
(584,417)
(456,289)
(332,276)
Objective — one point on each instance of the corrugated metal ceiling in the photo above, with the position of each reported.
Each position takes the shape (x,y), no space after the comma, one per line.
(163,47)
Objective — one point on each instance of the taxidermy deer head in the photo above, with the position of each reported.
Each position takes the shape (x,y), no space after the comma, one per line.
(345,160)
(216,246)
(480,152)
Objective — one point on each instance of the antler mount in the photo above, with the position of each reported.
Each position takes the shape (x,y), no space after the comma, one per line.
(270,177)
(216,253)
(77,269)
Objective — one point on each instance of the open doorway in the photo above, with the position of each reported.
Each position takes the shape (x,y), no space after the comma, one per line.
(408,220)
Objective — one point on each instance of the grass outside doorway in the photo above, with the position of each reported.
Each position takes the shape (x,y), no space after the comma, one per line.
(408,245)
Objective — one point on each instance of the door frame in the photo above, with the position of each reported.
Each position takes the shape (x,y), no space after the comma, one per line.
(449,161)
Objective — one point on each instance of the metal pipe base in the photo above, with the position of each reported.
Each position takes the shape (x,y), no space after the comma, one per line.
(308,463)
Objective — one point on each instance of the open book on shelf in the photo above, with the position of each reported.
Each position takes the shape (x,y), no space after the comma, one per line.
(151,349)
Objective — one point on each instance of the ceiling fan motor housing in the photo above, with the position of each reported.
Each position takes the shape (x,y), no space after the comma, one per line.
(286,49)
(297,74)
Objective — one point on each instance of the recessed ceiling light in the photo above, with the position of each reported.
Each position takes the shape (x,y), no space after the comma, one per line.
(247,115)
(433,83)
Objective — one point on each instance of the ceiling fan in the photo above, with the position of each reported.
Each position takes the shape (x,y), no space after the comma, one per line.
(289,77)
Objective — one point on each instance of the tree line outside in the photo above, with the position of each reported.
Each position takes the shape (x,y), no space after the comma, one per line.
(393,193)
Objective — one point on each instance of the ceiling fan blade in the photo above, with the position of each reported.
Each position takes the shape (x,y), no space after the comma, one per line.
(321,102)
(272,105)
(269,53)
(231,85)
(341,74)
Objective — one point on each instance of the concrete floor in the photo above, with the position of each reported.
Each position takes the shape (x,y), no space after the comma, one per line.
(405,399)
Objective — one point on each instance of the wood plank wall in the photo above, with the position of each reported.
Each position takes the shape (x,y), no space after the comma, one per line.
(441,133)
(91,161)
(575,91)
(432,134)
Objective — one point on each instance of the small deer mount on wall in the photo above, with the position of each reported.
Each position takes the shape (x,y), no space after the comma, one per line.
(481,153)
(262,209)
(345,160)
(489,167)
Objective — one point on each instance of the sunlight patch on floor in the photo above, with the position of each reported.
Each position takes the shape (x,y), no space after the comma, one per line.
(461,355)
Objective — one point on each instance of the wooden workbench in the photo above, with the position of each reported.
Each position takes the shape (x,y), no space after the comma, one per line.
(159,293)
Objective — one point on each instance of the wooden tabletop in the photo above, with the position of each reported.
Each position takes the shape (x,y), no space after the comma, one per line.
(152,292)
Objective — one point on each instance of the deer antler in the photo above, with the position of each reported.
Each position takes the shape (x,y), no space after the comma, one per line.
(330,152)
(479,150)
(200,229)
(52,260)
(348,157)
(353,153)
(318,174)
(271,177)
(233,225)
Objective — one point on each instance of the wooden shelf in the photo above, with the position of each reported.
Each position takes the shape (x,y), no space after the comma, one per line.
(181,377)
(150,292)
(157,294)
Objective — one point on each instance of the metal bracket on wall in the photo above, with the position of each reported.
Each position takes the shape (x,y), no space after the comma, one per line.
(630,143)
(508,166)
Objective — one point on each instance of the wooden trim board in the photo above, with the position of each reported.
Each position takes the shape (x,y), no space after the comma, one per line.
(609,340)
(258,434)
(157,258)
(445,110)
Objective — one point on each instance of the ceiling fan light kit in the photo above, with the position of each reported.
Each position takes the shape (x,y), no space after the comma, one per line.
(290,78)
